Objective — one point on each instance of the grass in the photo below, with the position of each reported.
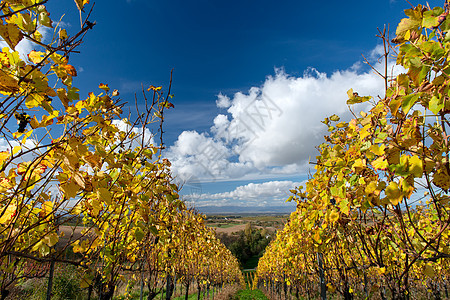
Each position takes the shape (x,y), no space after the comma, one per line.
(191,297)
(249,295)
(222,225)
(226,293)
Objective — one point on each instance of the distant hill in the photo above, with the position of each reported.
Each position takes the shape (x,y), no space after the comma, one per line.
(285,209)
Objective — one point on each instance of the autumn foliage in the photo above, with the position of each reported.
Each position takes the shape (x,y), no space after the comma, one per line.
(71,159)
(376,211)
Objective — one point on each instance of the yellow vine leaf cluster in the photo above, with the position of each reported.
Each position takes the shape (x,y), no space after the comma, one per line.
(77,177)
(376,212)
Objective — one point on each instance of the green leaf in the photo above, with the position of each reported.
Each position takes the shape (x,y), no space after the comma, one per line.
(153,230)
(139,234)
(344,205)
(407,24)
(408,102)
(429,21)
(334,118)
(436,104)
(365,146)
(418,74)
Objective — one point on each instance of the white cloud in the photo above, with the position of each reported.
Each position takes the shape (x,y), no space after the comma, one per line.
(206,157)
(30,144)
(223,101)
(271,193)
(272,129)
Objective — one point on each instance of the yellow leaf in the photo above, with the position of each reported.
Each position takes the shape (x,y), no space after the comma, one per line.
(317,237)
(377,150)
(104,87)
(393,155)
(104,195)
(415,166)
(334,216)
(22,168)
(380,163)
(34,123)
(33,100)
(38,245)
(85,282)
(70,189)
(8,214)
(359,164)
(393,193)
(81,3)
(16,150)
(407,185)
(70,70)
(79,180)
(76,247)
(51,239)
(429,270)
(62,34)
(3,156)
(365,132)
(350,93)
(11,34)
(37,36)
(442,179)
(371,187)
(36,56)
(93,160)
(8,84)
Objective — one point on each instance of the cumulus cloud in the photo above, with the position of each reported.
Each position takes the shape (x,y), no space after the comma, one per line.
(206,157)
(271,193)
(273,128)
(223,101)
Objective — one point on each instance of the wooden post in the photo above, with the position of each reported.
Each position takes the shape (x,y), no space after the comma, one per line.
(50,280)
(323,287)
(141,297)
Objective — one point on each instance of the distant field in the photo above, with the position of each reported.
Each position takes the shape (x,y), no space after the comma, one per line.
(222,225)
(230,224)
(237,228)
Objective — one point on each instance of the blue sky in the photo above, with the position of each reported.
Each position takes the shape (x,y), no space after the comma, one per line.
(252,80)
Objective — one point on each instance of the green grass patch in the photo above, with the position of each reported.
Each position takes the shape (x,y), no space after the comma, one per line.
(249,295)
(191,297)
